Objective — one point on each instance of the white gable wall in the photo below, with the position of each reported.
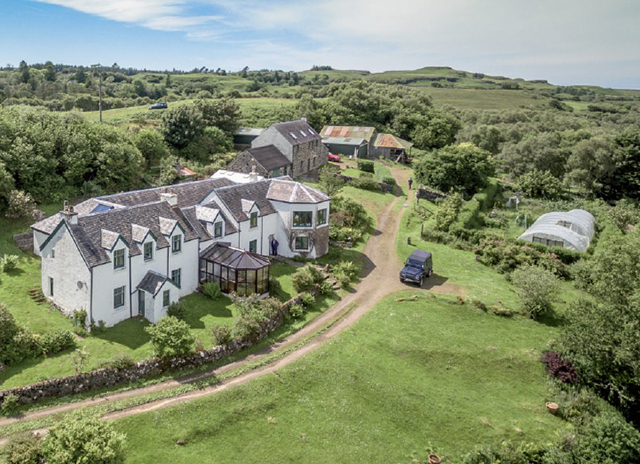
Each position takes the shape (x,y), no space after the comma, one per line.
(71,290)
(105,280)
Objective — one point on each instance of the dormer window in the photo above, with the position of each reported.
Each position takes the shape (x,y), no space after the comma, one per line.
(148,251)
(118,259)
(217,230)
(176,243)
(253,221)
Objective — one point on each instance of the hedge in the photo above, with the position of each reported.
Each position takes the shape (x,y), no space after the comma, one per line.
(382,174)
(365,165)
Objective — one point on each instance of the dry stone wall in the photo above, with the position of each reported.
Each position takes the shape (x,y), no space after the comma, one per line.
(107,377)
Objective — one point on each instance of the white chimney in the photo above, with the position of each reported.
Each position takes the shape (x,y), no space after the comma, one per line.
(253,175)
(69,214)
(304,117)
(170,197)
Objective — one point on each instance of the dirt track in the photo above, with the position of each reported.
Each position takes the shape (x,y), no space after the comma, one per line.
(380,279)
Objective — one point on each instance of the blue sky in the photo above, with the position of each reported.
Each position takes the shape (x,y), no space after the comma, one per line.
(565,41)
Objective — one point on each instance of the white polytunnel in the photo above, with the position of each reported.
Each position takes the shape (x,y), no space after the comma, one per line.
(572,229)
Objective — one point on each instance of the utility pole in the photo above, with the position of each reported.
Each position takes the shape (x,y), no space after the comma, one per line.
(99,67)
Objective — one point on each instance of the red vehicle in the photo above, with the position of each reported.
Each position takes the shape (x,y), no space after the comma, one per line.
(334,158)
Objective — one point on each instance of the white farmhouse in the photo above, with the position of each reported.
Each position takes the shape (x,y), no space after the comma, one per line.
(135,253)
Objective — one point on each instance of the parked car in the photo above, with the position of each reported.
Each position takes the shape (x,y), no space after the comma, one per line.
(159,106)
(334,158)
(418,267)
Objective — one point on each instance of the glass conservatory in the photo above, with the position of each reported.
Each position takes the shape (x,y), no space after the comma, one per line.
(235,269)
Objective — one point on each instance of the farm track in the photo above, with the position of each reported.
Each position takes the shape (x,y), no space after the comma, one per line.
(380,280)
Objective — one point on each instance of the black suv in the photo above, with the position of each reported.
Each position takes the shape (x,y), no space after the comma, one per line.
(417,267)
(159,106)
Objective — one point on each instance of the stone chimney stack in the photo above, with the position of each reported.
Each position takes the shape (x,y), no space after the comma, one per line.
(304,117)
(170,197)
(69,214)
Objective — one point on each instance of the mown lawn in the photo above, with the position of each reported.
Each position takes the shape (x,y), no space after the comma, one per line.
(408,375)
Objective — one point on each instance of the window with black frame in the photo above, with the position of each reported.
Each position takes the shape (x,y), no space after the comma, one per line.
(302,219)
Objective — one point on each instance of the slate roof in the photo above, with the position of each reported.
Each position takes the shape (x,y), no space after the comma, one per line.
(232,197)
(286,190)
(88,233)
(269,157)
(152,282)
(297,132)
(189,193)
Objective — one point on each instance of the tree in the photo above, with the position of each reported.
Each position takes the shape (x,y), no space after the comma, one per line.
(331,182)
(83,439)
(223,113)
(50,72)
(590,164)
(181,125)
(152,147)
(463,168)
(23,448)
(625,178)
(171,337)
(19,204)
(537,287)
(203,149)
(23,72)
(540,184)
(537,152)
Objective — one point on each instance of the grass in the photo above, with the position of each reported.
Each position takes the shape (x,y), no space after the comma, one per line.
(407,374)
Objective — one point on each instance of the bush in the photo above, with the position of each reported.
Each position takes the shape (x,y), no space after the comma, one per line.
(9,405)
(344,234)
(347,268)
(365,183)
(342,278)
(19,204)
(56,341)
(508,452)
(366,165)
(81,332)
(221,334)
(177,310)
(296,311)
(540,184)
(507,255)
(171,337)
(246,327)
(22,449)
(84,439)
(447,212)
(325,288)
(306,278)
(608,438)
(560,368)
(80,317)
(307,299)
(269,307)
(212,290)
(536,287)
(121,361)
(275,287)
(8,263)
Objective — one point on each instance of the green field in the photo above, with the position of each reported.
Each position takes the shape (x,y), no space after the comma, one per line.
(407,376)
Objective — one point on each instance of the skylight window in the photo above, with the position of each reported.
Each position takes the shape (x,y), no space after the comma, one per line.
(293,135)
(303,134)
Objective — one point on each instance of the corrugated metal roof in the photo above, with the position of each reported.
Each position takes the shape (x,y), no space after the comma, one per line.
(348,131)
(356,142)
(249,131)
(391,141)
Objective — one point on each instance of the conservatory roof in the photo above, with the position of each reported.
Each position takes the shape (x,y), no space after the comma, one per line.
(235,258)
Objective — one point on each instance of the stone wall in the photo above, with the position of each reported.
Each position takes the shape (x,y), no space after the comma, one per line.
(24,241)
(424,193)
(308,157)
(107,377)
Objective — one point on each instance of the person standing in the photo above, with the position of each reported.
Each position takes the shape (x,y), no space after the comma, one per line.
(410,181)
(274,246)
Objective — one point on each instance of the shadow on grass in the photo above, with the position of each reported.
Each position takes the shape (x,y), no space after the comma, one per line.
(129,333)
(15,272)
(26,364)
(552,319)
(199,306)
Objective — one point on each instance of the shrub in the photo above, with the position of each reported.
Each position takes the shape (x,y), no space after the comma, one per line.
(447,212)
(8,263)
(305,278)
(56,341)
(19,204)
(366,165)
(269,307)
(536,287)
(344,234)
(121,361)
(177,310)
(479,304)
(325,288)
(347,268)
(9,405)
(608,438)
(246,327)
(221,334)
(212,290)
(540,184)
(341,278)
(346,212)
(171,337)
(23,448)
(79,359)
(307,299)
(81,332)
(81,438)
(559,368)
(275,287)
(507,451)
(365,183)
(296,311)
(79,317)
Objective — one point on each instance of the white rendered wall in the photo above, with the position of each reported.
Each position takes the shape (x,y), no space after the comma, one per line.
(71,290)
(38,239)
(105,280)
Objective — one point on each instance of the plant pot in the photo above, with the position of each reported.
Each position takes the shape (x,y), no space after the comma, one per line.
(552,407)
(434,459)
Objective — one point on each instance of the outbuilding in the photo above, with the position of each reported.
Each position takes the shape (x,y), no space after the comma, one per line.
(573,230)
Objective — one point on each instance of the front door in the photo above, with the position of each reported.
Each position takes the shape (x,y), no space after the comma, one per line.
(140,303)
